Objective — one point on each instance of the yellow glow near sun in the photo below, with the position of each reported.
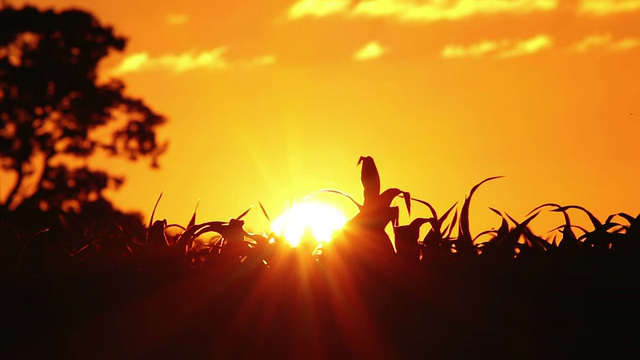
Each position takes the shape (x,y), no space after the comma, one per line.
(316,219)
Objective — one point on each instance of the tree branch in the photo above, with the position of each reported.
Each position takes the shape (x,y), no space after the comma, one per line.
(16,187)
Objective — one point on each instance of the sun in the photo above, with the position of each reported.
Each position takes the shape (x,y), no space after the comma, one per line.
(313,219)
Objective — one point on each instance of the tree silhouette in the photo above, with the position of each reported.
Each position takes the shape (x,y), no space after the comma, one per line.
(55,113)
(52,103)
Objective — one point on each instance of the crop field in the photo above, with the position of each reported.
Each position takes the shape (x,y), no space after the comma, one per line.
(214,290)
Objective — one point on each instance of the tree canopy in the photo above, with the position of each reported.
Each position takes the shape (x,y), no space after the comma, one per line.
(52,104)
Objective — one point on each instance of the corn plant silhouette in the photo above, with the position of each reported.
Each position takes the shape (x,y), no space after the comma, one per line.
(364,238)
(431,297)
(230,243)
(439,244)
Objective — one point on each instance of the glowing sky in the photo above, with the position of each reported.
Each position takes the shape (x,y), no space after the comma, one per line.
(271,100)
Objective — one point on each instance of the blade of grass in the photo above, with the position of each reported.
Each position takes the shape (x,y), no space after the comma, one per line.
(244,213)
(153,213)
(264,212)
(333,191)
(193,217)
(596,223)
(431,208)
(464,235)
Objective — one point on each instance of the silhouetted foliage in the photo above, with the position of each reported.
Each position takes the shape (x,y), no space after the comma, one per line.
(213,290)
(55,111)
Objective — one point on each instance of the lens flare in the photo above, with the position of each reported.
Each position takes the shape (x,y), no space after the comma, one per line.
(310,219)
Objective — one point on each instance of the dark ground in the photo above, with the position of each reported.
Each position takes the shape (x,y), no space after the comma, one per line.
(544,309)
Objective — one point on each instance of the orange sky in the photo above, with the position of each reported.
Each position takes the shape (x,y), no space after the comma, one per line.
(268,101)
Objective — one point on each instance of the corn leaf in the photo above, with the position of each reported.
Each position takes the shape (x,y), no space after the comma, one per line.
(244,213)
(193,217)
(431,208)
(333,191)
(464,235)
(596,223)
(370,178)
(264,212)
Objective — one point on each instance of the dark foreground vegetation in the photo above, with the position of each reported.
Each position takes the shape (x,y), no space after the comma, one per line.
(213,290)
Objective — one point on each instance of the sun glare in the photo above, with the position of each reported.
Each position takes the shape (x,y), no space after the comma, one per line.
(313,219)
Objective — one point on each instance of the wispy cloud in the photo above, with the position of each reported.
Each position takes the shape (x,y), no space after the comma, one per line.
(625,44)
(132,63)
(372,50)
(608,7)
(505,48)
(180,63)
(476,50)
(590,42)
(318,8)
(605,42)
(177,19)
(528,46)
(419,11)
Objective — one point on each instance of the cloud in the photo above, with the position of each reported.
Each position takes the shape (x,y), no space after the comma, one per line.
(529,46)
(590,42)
(498,48)
(132,63)
(177,19)
(179,63)
(604,42)
(418,11)
(608,7)
(372,50)
(625,44)
(475,50)
(317,8)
